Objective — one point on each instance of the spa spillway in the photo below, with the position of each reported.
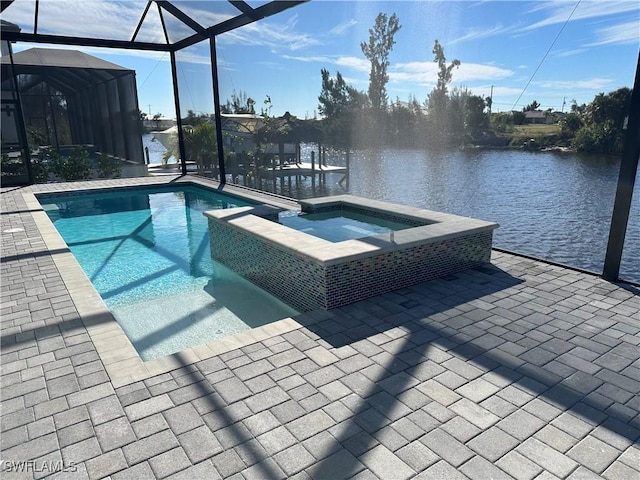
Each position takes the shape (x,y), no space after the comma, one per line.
(383,247)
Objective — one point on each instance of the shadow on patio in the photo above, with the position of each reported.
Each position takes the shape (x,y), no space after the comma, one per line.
(444,348)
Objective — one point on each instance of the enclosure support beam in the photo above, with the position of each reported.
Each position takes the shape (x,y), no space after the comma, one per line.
(83,41)
(176,98)
(626,180)
(266,10)
(20,124)
(216,109)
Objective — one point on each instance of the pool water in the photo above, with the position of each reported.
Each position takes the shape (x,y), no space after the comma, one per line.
(339,225)
(147,253)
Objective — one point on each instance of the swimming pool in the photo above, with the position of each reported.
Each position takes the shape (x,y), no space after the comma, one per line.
(147,252)
(340,225)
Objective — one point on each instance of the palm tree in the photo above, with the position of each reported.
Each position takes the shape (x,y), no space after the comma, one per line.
(199,143)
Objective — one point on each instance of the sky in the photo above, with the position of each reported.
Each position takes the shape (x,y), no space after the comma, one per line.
(553,52)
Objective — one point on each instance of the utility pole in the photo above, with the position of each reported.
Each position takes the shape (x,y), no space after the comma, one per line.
(564,101)
(149,109)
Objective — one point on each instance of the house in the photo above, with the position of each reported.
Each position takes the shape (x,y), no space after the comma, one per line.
(538,117)
(546,117)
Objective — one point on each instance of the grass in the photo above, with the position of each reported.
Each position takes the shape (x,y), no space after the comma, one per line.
(533,131)
(545,135)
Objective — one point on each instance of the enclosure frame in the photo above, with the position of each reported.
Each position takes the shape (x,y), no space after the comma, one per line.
(247,15)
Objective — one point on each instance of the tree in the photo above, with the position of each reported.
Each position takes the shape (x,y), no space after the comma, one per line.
(502,122)
(613,107)
(444,71)
(518,118)
(200,145)
(465,116)
(381,42)
(337,98)
(570,124)
(604,119)
(156,119)
(340,104)
(532,107)
(194,119)
(475,119)
(239,103)
(405,123)
(579,109)
(334,96)
(437,100)
(190,119)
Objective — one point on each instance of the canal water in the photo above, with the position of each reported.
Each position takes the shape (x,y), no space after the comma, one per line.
(555,206)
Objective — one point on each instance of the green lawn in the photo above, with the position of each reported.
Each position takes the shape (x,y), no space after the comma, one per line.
(533,131)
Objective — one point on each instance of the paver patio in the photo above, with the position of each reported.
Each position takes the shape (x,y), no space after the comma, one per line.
(519,369)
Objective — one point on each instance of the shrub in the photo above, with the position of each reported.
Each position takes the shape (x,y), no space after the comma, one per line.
(74,167)
(39,167)
(570,124)
(109,167)
(11,166)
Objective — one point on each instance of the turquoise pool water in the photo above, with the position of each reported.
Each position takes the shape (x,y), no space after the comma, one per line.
(147,253)
(339,225)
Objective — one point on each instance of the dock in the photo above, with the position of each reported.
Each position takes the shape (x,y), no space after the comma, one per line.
(304,169)
(250,176)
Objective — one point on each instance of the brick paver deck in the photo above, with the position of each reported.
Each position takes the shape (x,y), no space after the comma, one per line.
(519,369)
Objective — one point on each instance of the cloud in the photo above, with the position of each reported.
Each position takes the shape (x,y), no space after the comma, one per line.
(199,56)
(283,36)
(118,20)
(622,33)
(357,82)
(314,59)
(425,73)
(422,73)
(559,11)
(341,28)
(571,53)
(476,71)
(473,34)
(355,63)
(271,35)
(91,18)
(497,91)
(589,83)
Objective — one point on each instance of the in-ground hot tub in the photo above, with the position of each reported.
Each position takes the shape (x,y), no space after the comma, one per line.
(309,272)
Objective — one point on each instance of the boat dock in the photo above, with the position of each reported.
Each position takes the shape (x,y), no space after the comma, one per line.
(305,169)
(250,176)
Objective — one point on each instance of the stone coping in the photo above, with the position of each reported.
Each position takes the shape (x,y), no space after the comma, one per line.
(121,360)
(150,182)
(437,228)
